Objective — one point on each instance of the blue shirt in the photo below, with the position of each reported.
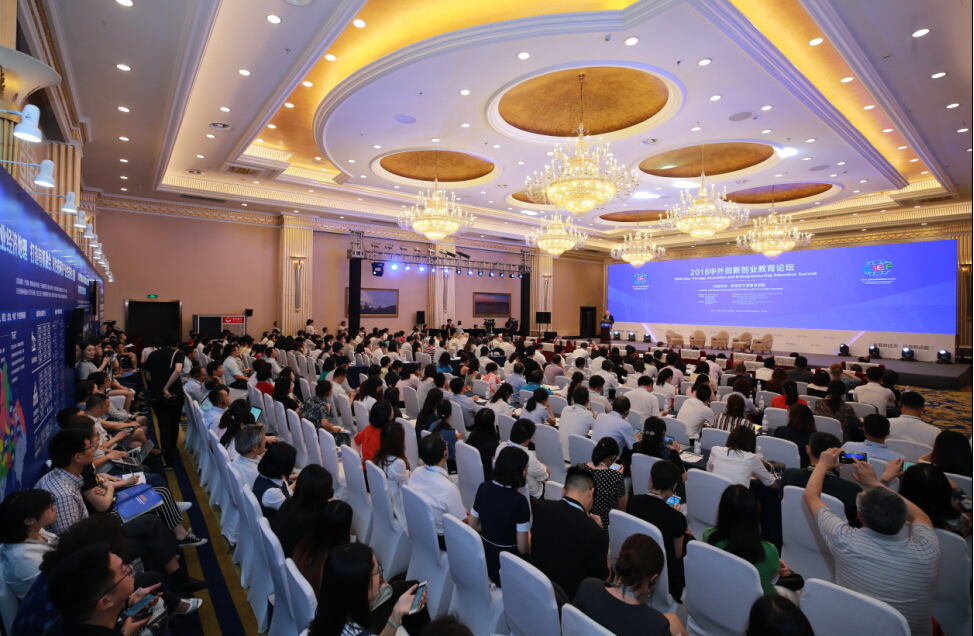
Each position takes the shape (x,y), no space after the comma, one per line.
(517,383)
(532,386)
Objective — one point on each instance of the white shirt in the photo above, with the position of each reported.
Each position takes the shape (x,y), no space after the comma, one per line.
(715,370)
(667,390)
(275,367)
(539,358)
(508,348)
(212,418)
(694,413)
(580,353)
(612,425)
(246,468)
(876,394)
(598,399)
(500,407)
(273,497)
(911,428)
(737,466)
(22,562)
(194,388)
(644,403)
(433,484)
(575,420)
(230,370)
(537,472)
(611,382)
(397,475)
(677,375)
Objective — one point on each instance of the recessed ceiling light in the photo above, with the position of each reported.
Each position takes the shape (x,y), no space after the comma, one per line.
(841,163)
(901,147)
(311,191)
(846,80)
(273,19)
(695,129)
(870,107)
(520,163)
(523,55)
(125,189)
(925,172)
(376,146)
(260,141)
(362,176)
(914,160)
(464,125)
(863,180)
(359,23)
(271,126)
(806,158)
(434,140)
(529,213)
(317,158)
(123,67)
(360,199)
(810,140)
(497,145)
(244,72)
(124,160)
(396,187)
(887,130)
(833,175)
(200,157)
(224,109)
(856,191)
(124,3)
(124,138)
(330,57)
(307,84)
(123,109)
(815,41)
(341,217)
(938,75)
(954,105)
(631,41)
(765,131)
(779,175)
(714,98)
(920,33)
(490,202)
(768,107)
(351,161)
(288,105)
(208,136)
(123,177)
(464,91)
(704,62)
(549,153)
(256,181)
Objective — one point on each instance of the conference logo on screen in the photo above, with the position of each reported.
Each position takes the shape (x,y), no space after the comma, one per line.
(640,280)
(878,272)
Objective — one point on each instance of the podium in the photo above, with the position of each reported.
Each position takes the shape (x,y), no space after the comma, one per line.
(605,335)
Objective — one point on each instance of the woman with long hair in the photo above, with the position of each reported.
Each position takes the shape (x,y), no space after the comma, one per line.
(948,507)
(664,386)
(537,409)
(610,486)
(739,460)
(834,406)
(951,453)
(484,438)
(788,397)
(734,414)
(283,388)
(470,372)
(391,396)
(367,441)
(820,384)
(500,401)
(391,459)
(800,428)
(312,490)
(569,391)
(442,426)
(331,528)
(777,381)
(427,414)
(444,364)
(232,420)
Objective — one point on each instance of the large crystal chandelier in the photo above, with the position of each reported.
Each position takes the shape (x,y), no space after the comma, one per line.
(582,178)
(773,235)
(557,236)
(435,216)
(706,214)
(638,248)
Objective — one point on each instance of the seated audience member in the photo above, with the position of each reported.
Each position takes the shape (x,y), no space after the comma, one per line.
(800,428)
(537,409)
(284,393)
(848,378)
(554,370)
(194,386)
(444,363)
(484,438)
(654,444)
(605,372)
(491,377)
(909,567)
(744,389)
(273,486)
(948,507)
(595,386)
(568,390)
(665,386)
(466,404)
(788,397)
(777,382)
(740,373)
(330,529)
(535,378)
(500,401)
(733,415)
(576,418)
(844,490)
(427,413)
(642,401)
(500,513)
(103,385)
(23,515)
(433,483)
(237,414)
(834,406)
(568,544)
(322,411)
(219,399)
(876,429)
(521,434)
(740,460)
(312,490)
(676,365)
(354,599)
(800,372)
(622,607)
(250,444)
(696,412)
(777,616)
(738,531)
(411,377)
(610,487)
(444,413)
(951,453)
(517,381)
(264,374)
(873,392)
(908,426)
(763,374)
(391,459)
(664,478)
(615,424)
(234,376)
(819,386)
(367,441)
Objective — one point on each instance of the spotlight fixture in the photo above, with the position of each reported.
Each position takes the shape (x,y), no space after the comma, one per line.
(389,246)
(394,266)
(519,275)
(647,338)
(480,272)
(469,272)
(632,336)
(874,352)
(616,335)
(408,268)
(906,354)
(376,246)
(459,271)
(422,268)
(491,274)
(844,350)
(418,250)
(377,269)
(432,269)
(503,275)
(943,357)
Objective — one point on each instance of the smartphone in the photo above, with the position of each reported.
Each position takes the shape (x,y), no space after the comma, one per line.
(141,605)
(615,466)
(908,465)
(255,412)
(673,501)
(668,440)
(418,599)
(846,458)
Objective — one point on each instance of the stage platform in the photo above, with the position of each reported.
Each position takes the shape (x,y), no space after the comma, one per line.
(927,375)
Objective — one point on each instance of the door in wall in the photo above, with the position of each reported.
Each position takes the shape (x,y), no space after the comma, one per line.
(586,322)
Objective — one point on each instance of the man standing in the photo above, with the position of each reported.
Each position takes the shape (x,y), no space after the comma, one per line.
(162,369)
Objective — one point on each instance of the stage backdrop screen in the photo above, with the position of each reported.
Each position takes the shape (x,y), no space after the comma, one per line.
(906,288)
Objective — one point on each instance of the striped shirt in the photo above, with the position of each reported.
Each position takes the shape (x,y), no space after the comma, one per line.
(899,571)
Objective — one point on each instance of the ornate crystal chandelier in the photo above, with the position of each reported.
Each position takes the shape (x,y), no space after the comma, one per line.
(638,248)
(773,235)
(435,216)
(706,214)
(556,236)
(582,178)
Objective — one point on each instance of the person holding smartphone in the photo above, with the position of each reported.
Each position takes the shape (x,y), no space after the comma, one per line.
(610,486)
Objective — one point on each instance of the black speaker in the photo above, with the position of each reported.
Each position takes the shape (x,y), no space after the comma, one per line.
(542,317)
(420,318)
(549,336)
(249,313)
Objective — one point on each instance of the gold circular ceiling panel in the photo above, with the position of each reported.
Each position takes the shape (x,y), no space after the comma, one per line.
(614,98)
(717,159)
(635,216)
(782,193)
(448,165)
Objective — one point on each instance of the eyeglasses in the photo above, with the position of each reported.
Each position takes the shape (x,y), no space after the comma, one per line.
(127,571)
(379,572)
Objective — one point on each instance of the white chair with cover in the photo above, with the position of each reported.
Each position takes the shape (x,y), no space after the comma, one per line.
(261,583)
(678,402)
(360,416)
(470,470)
(310,439)
(597,408)
(362,378)
(562,381)
(703,498)
(642,465)
(775,449)
(269,414)
(698,339)
(714,607)
(622,526)
(862,409)
(952,605)
(710,437)
(329,461)
(635,421)
(424,359)
(524,396)
(718,407)
(742,342)
(686,384)
(411,400)
(282,622)
(304,601)
(291,360)
(529,599)
(662,399)
(307,391)
(773,418)
(456,419)
(764,343)
(357,495)
(8,603)
(803,547)
(574,622)
(297,439)
(547,444)
(766,396)
(828,425)
(553,491)
(838,611)
(481,607)
(557,404)
(389,541)
(802,387)
(412,445)
(622,390)
(407,354)
(481,388)
(213,482)
(504,425)
(912,451)
(724,391)
(427,562)
(229,511)
(677,430)
(580,449)
(720,340)
(964,483)
(345,411)
(244,552)
(280,416)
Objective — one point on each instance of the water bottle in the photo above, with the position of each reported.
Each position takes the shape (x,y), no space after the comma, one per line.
(761,403)
(696,446)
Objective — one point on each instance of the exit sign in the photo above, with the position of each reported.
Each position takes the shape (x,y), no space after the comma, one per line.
(153,296)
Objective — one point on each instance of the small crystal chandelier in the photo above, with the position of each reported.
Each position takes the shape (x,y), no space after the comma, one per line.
(638,248)
(584,178)
(557,236)
(434,215)
(705,215)
(773,234)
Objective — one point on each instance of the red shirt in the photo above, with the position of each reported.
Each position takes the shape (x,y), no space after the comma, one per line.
(779,402)
(265,387)
(368,439)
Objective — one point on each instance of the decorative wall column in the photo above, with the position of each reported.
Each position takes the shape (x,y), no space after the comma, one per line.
(542,285)
(297,239)
(442,292)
